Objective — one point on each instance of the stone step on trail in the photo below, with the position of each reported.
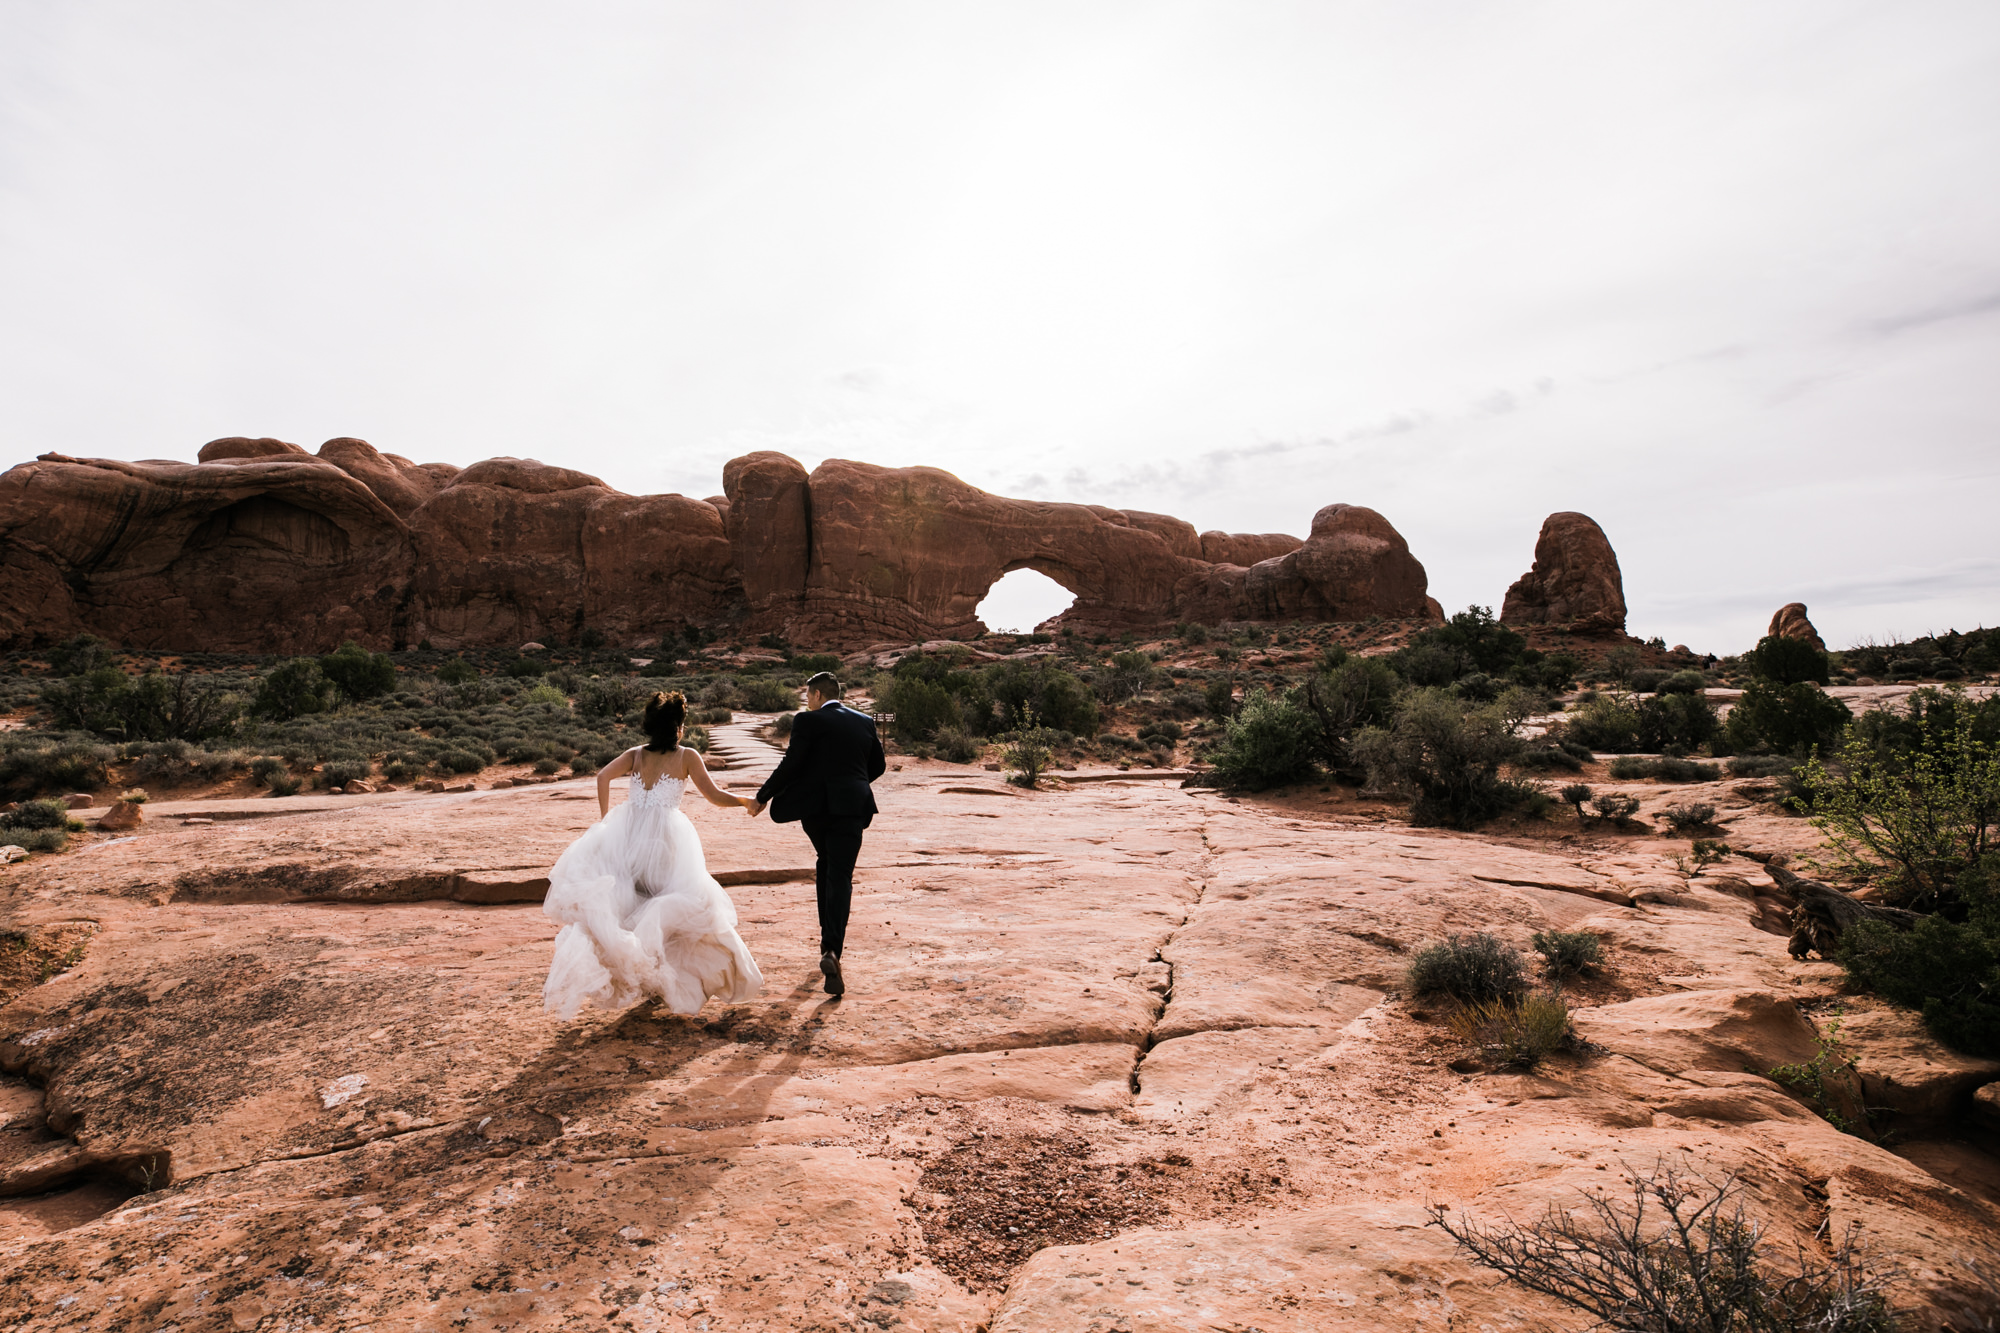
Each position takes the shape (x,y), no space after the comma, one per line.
(751,757)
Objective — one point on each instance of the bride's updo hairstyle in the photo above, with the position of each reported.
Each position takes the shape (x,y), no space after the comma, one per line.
(662,723)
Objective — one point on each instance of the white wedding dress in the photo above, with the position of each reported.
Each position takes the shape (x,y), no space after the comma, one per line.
(641,914)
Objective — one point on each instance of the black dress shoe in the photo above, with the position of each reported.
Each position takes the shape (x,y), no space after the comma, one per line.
(829,963)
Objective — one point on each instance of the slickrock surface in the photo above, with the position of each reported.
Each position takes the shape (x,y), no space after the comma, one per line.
(1121,1056)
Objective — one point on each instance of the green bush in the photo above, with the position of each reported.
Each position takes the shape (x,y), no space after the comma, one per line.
(1615,809)
(1270,742)
(813,663)
(956,744)
(709,717)
(1622,723)
(1568,953)
(1449,752)
(1918,820)
(1028,754)
(1759,765)
(79,656)
(762,694)
(1192,633)
(67,765)
(32,839)
(1219,697)
(290,690)
(695,738)
(340,772)
(1357,692)
(1626,768)
(603,697)
(358,673)
(41,815)
(1784,661)
(1543,758)
(1682,682)
(1686,816)
(1474,968)
(921,708)
(1520,1033)
(1041,693)
(1791,718)
(1129,675)
(1575,794)
(457,672)
(264,767)
(523,667)
(460,761)
(1947,970)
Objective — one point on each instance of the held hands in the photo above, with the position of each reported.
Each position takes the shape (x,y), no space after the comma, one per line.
(755,807)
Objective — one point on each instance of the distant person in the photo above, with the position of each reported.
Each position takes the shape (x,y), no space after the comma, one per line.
(642,915)
(822,782)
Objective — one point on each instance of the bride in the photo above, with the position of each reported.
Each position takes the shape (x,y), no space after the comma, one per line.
(642,916)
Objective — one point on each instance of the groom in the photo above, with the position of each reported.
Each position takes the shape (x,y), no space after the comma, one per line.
(823,783)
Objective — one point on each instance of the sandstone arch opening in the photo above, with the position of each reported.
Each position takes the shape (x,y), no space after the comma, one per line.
(1022,599)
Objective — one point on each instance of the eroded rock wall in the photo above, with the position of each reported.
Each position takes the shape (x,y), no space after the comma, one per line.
(1575,580)
(262,546)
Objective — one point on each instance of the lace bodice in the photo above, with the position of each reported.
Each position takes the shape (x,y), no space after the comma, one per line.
(663,795)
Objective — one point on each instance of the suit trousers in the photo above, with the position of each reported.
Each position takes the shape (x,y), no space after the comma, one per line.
(837,843)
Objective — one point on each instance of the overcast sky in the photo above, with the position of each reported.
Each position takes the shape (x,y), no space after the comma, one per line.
(1724,276)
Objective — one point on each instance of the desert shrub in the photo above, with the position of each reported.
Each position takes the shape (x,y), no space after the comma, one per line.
(720,693)
(358,673)
(1917,819)
(1686,816)
(583,764)
(1520,1033)
(1682,682)
(1449,752)
(1270,742)
(956,744)
(1792,718)
(402,770)
(264,766)
(40,815)
(1476,969)
(460,761)
(813,663)
(1947,970)
(283,783)
(1759,765)
(71,764)
(1622,723)
(781,725)
(762,694)
(1574,795)
(32,839)
(79,656)
(1169,733)
(548,766)
(1615,809)
(1784,661)
(523,667)
(1625,768)
(1568,953)
(539,695)
(694,737)
(603,697)
(1028,754)
(1040,694)
(457,672)
(340,772)
(1356,692)
(709,717)
(1129,675)
(921,707)
(290,690)
(1678,1259)
(1192,633)
(1646,680)
(1219,697)
(1543,758)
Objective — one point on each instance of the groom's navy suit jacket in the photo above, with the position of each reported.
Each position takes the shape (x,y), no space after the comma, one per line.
(834,754)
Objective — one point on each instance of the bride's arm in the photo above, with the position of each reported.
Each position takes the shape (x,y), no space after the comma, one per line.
(617,768)
(697,767)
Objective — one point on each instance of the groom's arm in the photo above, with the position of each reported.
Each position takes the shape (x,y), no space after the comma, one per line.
(794,763)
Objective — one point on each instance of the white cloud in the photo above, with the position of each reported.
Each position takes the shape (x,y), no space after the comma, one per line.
(1721,276)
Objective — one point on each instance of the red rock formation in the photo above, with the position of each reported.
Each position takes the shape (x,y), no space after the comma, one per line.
(1246,548)
(272,551)
(265,547)
(1790,623)
(1574,581)
(514,549)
